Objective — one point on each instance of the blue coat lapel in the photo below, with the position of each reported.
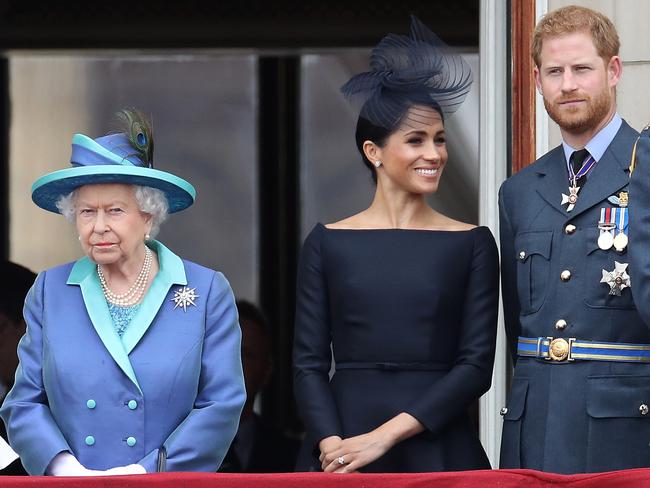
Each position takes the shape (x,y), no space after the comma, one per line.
(172,271)
(610,174)
(556,180)
(83,274)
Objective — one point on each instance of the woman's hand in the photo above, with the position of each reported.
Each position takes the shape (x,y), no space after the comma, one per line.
(358,451)
(65,464)
(348,455)
(123,470)
(326,446)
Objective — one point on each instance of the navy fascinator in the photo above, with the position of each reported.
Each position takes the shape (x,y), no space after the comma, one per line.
(405,71)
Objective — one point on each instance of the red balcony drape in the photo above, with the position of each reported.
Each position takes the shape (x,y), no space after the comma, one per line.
(468,479)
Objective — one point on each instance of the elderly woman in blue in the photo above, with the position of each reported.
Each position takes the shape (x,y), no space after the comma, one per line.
(131,359)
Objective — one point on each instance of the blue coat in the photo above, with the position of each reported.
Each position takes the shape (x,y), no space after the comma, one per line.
(579,416)
(173,380)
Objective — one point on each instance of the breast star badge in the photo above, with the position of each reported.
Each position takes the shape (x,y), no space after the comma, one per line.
(617,279)
(184,297)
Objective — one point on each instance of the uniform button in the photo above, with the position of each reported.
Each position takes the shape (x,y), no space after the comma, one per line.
(132,404)
(522,255)
(569,229)
(560,324)
(91,404)
(90,440)
(565,275)
(643,409)
(503,411)
(130,441)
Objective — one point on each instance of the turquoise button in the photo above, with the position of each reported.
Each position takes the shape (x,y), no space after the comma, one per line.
(90,440)
(130,441)
(133,404)
(91,404)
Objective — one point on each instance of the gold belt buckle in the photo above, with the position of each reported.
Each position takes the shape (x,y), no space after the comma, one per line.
(559,349)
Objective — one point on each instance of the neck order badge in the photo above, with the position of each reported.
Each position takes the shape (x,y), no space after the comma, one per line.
(572,198)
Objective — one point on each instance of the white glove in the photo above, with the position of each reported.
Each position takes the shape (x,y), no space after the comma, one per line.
(130,469)
(7,454)
(65,464)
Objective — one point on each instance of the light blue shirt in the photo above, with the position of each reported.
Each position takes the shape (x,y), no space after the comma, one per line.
(599,143)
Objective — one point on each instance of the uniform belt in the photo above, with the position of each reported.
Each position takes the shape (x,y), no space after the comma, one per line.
(394,365)
(570,349)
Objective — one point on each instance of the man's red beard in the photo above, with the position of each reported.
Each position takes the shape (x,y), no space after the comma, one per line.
(580,119)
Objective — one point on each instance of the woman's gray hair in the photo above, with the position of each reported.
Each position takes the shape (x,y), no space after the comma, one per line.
(150,201)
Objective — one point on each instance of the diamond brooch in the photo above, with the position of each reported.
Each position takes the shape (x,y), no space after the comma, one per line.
(184,297)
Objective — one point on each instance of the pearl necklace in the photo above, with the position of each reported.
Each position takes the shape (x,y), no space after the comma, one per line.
(133,294)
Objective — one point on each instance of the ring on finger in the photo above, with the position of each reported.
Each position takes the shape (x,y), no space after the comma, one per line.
(341,460)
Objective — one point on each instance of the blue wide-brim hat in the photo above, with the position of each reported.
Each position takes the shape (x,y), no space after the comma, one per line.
(109,159)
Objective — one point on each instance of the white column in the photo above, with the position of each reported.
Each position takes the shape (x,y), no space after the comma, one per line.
(493,141)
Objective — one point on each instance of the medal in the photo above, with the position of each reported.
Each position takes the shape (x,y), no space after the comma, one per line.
(572,198)
(620,241)
(605,240)
(617,279)
(606,224)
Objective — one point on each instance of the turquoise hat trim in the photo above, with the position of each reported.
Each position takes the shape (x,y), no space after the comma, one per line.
(47,190)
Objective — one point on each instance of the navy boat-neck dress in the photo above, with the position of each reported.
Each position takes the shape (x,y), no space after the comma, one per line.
(410,316)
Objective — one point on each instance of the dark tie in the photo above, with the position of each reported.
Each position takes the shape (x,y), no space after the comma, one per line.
(577,159)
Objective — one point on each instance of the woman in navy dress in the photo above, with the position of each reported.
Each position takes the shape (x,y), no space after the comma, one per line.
(404,297)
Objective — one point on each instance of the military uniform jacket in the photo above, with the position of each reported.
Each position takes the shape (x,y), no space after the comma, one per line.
(579,416)
(173,381)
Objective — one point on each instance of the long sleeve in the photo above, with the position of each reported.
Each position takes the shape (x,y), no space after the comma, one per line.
(311,350)
(508,277)
(202,439)
(31,429)
(471,373)
(639,228)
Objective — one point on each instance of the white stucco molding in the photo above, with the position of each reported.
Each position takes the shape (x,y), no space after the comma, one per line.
(493,154)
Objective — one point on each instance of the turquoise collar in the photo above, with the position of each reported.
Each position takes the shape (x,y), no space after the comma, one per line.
(83,274)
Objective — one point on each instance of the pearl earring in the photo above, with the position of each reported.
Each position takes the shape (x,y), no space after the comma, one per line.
(147,237)
(377,164)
